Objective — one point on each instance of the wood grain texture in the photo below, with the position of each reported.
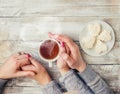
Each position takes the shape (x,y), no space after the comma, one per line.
(14,3)
(29,29)
(59,8)
(108,72)
(9,47)
(58,11)
(25,23)
(26,90)
(22,90)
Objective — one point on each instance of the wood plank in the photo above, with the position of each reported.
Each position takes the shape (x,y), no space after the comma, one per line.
(75,2)
(9,47)
(59,8)
(26,90)
(72,11)
(29,29)
(22,90)
(40,10)
(22,30)
(108,72)
(14,3)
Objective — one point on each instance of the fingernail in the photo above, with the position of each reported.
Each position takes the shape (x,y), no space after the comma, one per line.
(62,44)
(28,55)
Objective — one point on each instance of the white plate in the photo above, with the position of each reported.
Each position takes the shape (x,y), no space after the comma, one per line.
(110,44)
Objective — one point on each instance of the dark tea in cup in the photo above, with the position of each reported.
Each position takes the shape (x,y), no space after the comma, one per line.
(49,50)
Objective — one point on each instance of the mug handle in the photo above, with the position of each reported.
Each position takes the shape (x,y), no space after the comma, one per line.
(50,64)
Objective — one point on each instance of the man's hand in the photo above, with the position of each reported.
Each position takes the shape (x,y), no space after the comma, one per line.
(12,67)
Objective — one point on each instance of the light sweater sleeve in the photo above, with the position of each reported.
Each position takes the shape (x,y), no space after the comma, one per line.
(2,84)
(74,84)
(94,81)
(51,88)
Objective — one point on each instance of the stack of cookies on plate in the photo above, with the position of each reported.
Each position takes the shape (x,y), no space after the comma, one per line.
(96,38)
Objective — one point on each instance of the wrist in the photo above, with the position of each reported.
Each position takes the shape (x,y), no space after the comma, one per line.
(81,67)
(1,76)
(45,80)
(64,71)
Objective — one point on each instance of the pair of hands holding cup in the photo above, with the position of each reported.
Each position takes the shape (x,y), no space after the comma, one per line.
(22,64)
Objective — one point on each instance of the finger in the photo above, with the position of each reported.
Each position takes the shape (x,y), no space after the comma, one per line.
(73,48)
(59,61)
(35,62)
(22,57)
(67,59)
(62,49)
(23,62)
(16,54)
(66,39)
(67,49)
(23,53)
(26,54)
(28,68)
(24,73)
(51,35)
(54,36)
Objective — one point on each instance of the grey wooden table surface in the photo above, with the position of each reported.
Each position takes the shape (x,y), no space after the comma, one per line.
(25,23)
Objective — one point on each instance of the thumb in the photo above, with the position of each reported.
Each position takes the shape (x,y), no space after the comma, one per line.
(34,62)
(68,59)
(62,49)
(24,73)
(54,36)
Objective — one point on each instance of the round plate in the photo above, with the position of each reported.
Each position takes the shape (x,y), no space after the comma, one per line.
(109,44)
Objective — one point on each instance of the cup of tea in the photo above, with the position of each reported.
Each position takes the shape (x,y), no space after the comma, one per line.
(49,50)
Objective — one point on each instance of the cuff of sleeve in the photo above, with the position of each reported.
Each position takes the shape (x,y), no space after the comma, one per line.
(88,75)
(51,88)
(68,74)
(2,83)
(52,83)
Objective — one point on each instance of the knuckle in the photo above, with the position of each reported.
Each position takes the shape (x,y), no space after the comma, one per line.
(28,74)
(76,48)
(68,39)
(59,36)
(71,65)
(44,70)
(66,57)
(16,63)
(14,59)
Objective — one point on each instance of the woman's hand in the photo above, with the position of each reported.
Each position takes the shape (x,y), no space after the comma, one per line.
(74,59)
(41,75)
(12,67)
(61,63)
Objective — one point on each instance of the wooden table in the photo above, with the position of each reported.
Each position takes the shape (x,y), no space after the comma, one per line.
(25,23)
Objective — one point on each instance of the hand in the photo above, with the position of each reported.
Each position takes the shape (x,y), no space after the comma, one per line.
(41,74)
(12,67)
(61,64)
(74,59)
